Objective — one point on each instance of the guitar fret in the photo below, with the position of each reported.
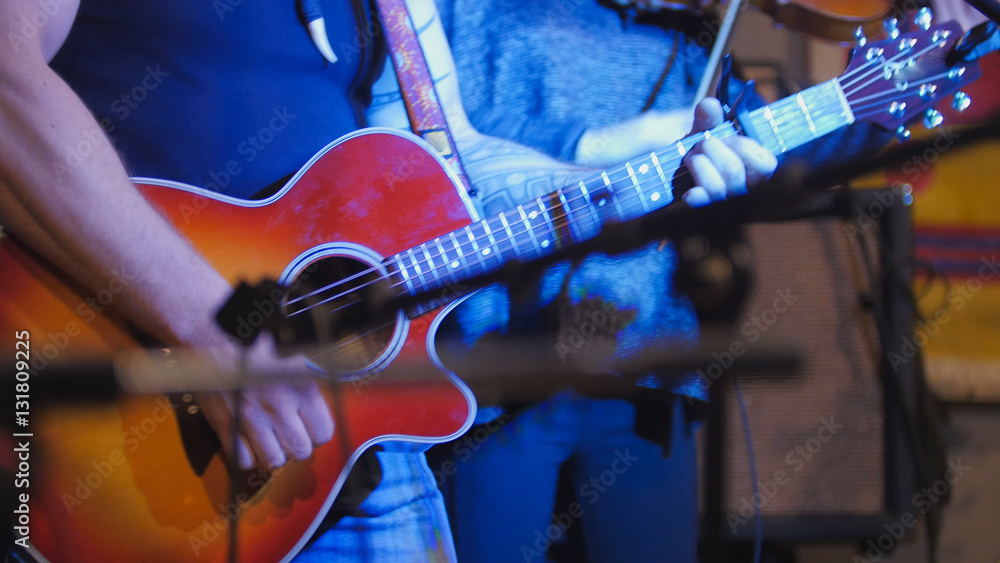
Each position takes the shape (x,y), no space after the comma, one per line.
(667,187)
(431,269)
(590,205)
(769,116)
(569,219)
(458,248)
(392,273)
(638,189)
(420,278)
(611,194)
(513,241)
(842,99)
(475,247)
(548,224)
(446,263)
(404,272)
(805,112)
(493,242)
(527,227)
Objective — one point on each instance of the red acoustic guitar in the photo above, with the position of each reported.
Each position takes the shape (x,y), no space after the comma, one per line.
(375,208)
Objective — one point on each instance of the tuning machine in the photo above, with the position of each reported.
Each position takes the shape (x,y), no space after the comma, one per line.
(924,18)
(859,37)
(933,118)
(961,101)
(891,27)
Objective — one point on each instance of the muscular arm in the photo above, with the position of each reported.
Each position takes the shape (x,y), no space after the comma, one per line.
(87,218)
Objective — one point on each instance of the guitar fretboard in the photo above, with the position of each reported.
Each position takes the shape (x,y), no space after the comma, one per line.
(577,213)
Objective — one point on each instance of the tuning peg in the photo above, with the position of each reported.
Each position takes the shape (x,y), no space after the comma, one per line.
(924,18)
(927,91)
(891,26)
(902,133)
(961,101)
(933,118)
(897,109)
(859,36)
(905,190)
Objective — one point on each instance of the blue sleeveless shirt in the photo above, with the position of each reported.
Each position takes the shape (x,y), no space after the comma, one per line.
(230,95)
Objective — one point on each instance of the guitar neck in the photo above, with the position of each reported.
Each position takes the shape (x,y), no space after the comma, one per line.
(578,212)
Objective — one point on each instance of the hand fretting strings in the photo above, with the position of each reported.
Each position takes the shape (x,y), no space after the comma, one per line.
(670,160)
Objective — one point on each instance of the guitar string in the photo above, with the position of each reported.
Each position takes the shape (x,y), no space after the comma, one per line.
(464,249)
(467,247)
(861,70)
(612,171)
(389,324)
(626,198)
(594,178)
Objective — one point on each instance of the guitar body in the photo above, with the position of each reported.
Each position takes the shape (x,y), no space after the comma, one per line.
(113,482)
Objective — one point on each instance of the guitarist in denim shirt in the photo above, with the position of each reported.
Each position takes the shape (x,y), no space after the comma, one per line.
(588,82)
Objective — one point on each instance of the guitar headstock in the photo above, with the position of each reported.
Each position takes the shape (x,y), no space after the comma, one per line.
(897,80)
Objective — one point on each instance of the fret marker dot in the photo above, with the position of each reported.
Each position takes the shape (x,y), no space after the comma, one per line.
(601,203)
(655,196)
(532,215)
(643,169)
(454,264)
(486,252)
(545,244)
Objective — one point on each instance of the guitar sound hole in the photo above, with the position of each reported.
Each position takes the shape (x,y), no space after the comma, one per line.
(334,305)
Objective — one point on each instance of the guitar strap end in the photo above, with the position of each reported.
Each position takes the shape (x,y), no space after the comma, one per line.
(438,138)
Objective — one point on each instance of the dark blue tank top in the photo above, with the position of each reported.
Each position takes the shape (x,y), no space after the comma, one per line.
(230,95)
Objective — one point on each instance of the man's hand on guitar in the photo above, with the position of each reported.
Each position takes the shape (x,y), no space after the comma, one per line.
(279,422)
(721,167)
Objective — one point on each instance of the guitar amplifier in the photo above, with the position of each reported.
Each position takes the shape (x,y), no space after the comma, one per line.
(832,460)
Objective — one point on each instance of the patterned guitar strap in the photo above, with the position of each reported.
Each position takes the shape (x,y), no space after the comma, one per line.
(422,103)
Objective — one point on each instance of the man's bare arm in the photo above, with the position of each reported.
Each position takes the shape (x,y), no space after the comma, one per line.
(88,219)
